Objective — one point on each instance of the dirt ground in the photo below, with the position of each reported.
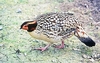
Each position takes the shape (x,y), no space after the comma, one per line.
(17,46)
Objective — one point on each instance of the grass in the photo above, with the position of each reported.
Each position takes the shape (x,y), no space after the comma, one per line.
(17,46)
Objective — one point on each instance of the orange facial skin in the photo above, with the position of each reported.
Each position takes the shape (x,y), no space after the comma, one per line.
(25,27)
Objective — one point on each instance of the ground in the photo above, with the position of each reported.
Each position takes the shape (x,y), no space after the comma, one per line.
(17,46)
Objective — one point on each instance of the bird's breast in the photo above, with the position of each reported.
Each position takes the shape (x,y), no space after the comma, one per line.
(43,37)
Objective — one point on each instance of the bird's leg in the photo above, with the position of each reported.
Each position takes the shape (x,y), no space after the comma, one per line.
(60,46)
(43,48)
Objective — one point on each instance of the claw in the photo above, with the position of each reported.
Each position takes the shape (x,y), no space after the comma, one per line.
(42,48)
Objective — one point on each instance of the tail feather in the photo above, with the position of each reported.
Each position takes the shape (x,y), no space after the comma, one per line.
(87,41)
(83,37)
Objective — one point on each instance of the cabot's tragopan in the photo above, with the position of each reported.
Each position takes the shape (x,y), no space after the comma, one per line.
(55,27)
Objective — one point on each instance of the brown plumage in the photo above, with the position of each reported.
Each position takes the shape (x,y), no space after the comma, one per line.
(55,27)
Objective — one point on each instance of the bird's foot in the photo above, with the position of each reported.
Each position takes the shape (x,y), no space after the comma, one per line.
(42,48)
(60,46)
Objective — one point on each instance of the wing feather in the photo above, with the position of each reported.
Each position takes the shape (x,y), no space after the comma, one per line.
(56,24)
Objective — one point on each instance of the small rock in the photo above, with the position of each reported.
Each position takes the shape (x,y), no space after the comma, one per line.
(84,56)
(19,11)
(92,60)
(97,28)
(25,54)
(97,56)
(1,45)
(75,49)
(53,61)
(1,27)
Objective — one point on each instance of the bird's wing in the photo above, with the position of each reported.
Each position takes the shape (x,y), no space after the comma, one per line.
(56,24)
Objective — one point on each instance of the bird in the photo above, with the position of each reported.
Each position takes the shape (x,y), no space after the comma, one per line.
(56,27)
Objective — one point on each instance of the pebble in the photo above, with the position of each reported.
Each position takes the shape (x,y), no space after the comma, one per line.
(92,60)
(19,11)
(85,56)
(1,45)
(75,49)
(1,27)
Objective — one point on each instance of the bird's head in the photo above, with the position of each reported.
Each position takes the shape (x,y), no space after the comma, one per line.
(29,26)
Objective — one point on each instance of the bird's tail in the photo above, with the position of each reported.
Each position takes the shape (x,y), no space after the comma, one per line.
(83,37)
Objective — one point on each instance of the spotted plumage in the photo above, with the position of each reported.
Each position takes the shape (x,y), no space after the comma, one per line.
(57,24)
(55,27)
